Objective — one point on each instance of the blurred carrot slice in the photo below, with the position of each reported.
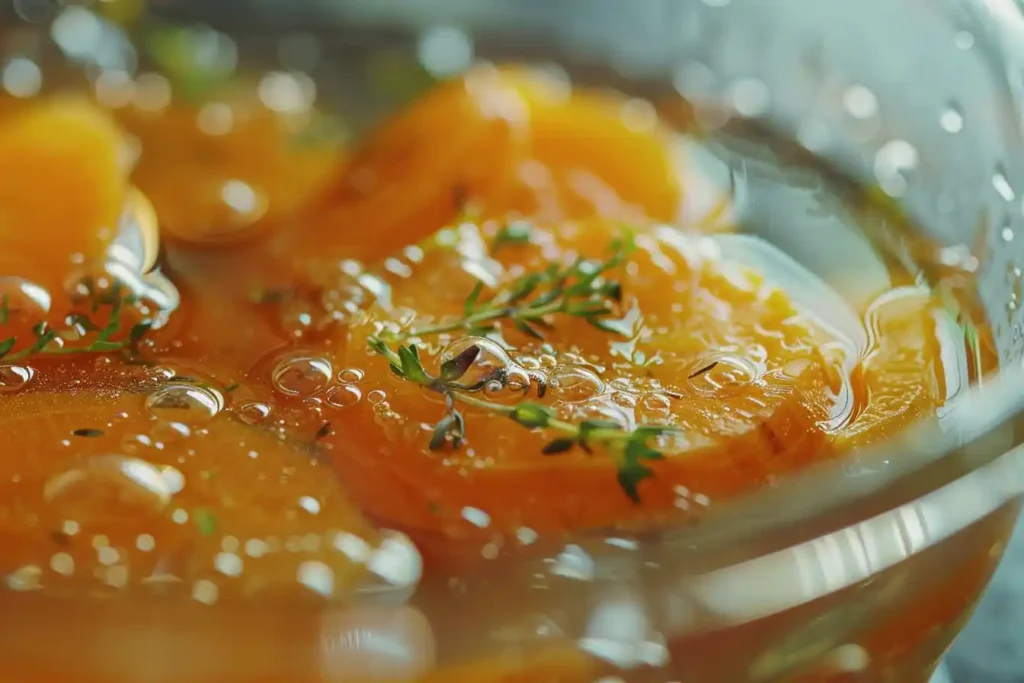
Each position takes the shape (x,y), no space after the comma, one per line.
(497,142)
(711,349)
(99,493)
(418,170)
(215,171)
(63,189)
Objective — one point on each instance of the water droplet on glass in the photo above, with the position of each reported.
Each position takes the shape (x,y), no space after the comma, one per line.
(720,375)
(302,375)
(750,97)
(1007,234)
(575,383)
(860,102)
(344,396)
(253,413)
(184,403)
(491,361)
(964,40)
(444,50)
(14,377)
(951,120)
(1002,185)
(108,487)
(893,162)
(350,375)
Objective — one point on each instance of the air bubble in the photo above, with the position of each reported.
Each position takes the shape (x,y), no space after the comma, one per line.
(253,413)
(376,397)
(350,375)
(575,383)
(108,487)
(491,360)
(184,403)
(720,375)
(344,396)
(14,378)
(302,375)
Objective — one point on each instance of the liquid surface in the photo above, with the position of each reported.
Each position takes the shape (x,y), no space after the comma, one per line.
(515,312)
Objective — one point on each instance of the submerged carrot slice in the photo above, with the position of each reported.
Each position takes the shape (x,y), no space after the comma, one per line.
(494,142)
(217,170)
(145,489)
(708,348)
(902,379)
(63,188)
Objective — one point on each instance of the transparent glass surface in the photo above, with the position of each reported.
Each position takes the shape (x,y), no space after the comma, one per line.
(859,571)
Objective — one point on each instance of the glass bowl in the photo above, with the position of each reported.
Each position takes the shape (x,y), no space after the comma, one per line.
(863,570)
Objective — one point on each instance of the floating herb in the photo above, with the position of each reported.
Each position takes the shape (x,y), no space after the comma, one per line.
(106,338)
(88,433)
(581,289)
(704,370)
(528,302)
(205,520)
(517,232)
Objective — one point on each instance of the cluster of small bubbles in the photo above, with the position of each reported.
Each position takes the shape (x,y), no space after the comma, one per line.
(109,487)
(302,375)
(892,163)
(253,412)
(624,399)
(685,498)
(184,403)
(14,377)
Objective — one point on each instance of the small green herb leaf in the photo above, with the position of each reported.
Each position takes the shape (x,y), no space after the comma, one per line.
(6,345)
(517,232)
(532,415)
(205,521)
(559,446)
(455,368)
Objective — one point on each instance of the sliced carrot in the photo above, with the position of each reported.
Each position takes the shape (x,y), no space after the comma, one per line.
(902,378)
(98,494)
(63,189)
(749,413)
(497,142)
(218,170)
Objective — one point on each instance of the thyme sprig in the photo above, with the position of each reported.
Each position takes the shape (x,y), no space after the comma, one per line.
(105,338)
(581,289)
(629,447)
